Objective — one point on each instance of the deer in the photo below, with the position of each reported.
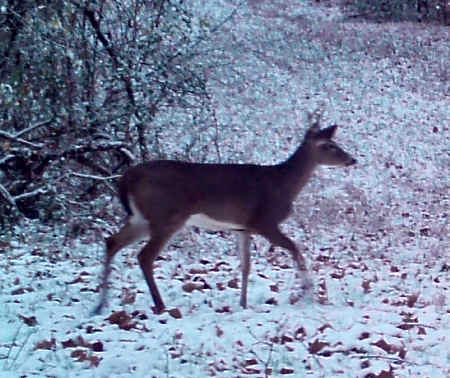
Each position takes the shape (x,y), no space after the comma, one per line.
(160,197)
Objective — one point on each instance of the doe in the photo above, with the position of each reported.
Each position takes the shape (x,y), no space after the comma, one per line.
(160,197)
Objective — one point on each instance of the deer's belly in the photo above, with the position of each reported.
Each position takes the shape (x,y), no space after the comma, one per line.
(202,220)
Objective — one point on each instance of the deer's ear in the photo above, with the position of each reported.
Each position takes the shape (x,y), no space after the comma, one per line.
(327,133)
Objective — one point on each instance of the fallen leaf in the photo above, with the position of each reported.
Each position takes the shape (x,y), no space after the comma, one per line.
(412,299)
(316,346)
(46,344)
(175,313)
(29,321)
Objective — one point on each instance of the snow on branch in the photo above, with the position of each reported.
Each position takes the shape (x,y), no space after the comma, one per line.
(12,137)
(30,194)
(32,127)
(4,159)
(9,198)
(94,177)
(17,136)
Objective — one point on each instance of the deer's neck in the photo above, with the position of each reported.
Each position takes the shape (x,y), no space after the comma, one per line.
(297,170)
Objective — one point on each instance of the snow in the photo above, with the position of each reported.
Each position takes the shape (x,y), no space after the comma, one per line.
(375,235)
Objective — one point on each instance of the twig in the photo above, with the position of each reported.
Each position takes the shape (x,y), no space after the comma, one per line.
(393,359)
(11,347)
(33,193)
(9,198)
(271,346)
(94,177)
(9,366)
(3,160)
(128,154)
(21,348)
(418,325)
(32,127)
(359,354)
(20,140)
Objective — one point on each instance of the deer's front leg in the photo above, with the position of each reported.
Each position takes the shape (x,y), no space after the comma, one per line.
(244,253)
(276,237)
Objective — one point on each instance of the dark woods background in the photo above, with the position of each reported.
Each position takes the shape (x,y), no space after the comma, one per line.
(81,83)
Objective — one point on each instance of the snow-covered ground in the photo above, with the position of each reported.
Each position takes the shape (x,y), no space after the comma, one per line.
(376,235)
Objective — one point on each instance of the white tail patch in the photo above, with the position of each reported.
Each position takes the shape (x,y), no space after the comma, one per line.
(136,217)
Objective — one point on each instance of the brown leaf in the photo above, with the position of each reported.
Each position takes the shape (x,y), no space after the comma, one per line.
(425,231)
(29,321)
(90,329)
(82,355)
(69,344)
(18,291)
(300,333)
(274,288)
(251,371)
(382,374)
(365,364)
(405,326)
(122,319)
(175,313)
(46,345)
(364,335)
(97,346)
(286,339)
(198,271)
(338,274)
(141,315)
(220,286)
(316,346)
(366,286)
(382,344)
(324,327)
(234,283)
(412,299)
(77,342)
(219,331)
(189,287)
(79,279)
(224,309)
(271,301)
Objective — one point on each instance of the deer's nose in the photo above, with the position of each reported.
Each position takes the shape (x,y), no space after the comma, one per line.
(351,162)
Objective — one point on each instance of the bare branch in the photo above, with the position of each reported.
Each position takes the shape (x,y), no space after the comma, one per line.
(3,160)
(32,127)
(94,177)
(33,193)
(9,136)
(128,154)
(9,198)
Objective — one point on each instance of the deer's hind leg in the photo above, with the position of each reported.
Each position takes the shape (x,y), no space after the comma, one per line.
(127,235)
(161,234)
